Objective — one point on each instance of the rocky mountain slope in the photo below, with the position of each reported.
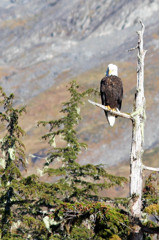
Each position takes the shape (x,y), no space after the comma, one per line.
(44,44)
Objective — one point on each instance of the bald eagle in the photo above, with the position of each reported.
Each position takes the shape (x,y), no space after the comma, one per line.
(111,90)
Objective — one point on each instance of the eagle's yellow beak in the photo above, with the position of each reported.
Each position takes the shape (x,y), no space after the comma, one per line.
(110,71)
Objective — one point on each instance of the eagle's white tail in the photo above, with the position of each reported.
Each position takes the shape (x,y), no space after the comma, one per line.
(111,119)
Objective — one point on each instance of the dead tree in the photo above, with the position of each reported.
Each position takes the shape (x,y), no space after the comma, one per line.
(138,132)
(138,119)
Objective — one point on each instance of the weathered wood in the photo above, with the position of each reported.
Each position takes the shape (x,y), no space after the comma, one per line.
(138,132)
(150,168)
(119,114)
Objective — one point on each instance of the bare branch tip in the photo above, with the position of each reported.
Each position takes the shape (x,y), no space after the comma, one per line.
(142,25)
(141,22)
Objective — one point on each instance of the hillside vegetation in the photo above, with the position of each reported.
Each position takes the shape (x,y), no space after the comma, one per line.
(45,44)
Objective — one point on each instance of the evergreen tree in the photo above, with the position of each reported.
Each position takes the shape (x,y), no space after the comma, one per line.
(30,208)
(70,207)
(21,199)
(12,158)
(77,183)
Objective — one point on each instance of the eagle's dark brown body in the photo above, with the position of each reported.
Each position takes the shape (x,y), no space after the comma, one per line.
(111,89)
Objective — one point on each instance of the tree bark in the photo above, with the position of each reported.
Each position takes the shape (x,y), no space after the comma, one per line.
(138,132)
(138,140)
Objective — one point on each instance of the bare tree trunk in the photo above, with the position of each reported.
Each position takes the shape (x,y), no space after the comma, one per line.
(138,132)
(138,138)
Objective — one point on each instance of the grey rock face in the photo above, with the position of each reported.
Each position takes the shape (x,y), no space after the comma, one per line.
(62,34)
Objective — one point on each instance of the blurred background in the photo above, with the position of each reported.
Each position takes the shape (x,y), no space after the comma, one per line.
(44,44)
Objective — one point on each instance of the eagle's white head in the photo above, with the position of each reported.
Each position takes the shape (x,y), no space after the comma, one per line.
(112,70)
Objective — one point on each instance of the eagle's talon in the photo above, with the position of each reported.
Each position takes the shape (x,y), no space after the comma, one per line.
(108,107)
